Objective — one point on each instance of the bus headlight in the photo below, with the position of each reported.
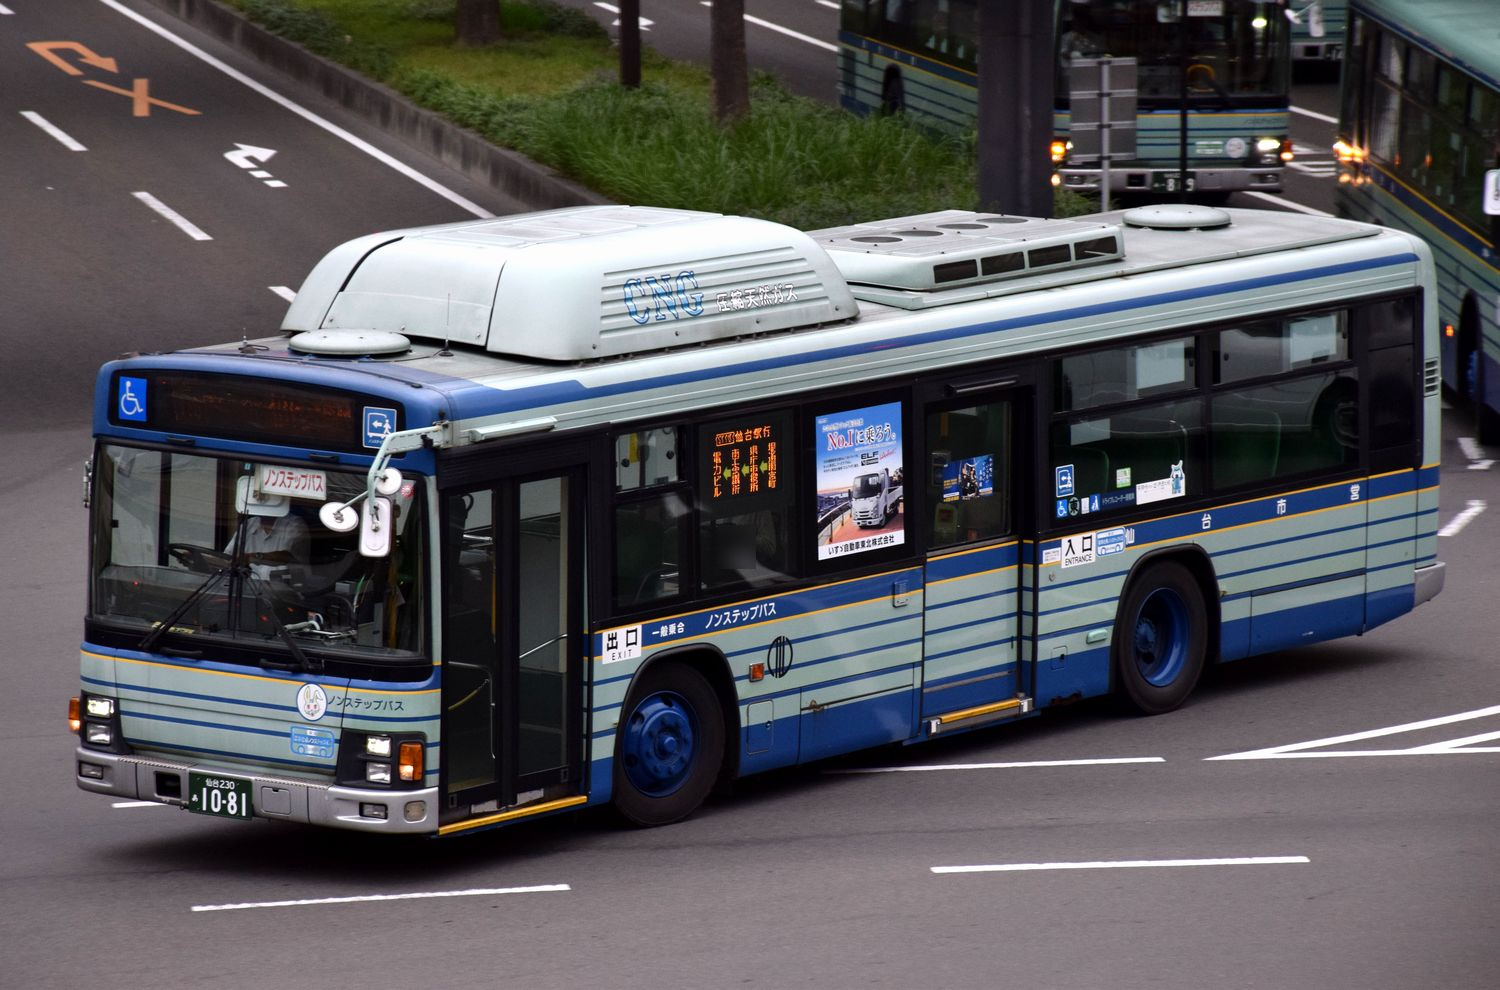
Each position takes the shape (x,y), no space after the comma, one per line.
(378,746)
(1059,150)
(378,773)
(1270,150)
(101,707)
(98,734)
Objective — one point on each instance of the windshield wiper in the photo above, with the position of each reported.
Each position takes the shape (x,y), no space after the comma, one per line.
(151,638)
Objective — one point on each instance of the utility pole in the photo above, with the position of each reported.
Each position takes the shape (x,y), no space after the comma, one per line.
(1016,79)
(630,44)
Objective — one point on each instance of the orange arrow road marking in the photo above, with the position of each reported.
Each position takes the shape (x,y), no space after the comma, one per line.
(49,51)
(141,99)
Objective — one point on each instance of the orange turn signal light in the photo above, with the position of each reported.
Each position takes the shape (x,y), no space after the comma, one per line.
(75,717)
(409,761)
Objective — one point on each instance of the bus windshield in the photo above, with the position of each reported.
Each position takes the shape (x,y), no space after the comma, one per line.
(234,550)
(1232,47)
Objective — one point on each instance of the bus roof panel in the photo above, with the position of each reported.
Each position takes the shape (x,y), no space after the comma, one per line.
(550,286)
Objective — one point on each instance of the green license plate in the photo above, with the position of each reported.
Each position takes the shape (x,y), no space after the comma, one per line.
(213,794)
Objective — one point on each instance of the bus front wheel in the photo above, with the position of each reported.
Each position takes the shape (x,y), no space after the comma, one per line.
(893,94)
(669,748)
(1161,639)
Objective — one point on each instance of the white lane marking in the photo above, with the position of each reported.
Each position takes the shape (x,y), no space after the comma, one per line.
(768,25)
(56,132)
(645,22)
(1458,522)
(1279,201)
(137,804)
(1475,454)
(1124,864)
(283,292)
(1006,766)
(430,184)
(177,219)
(827,3)
(1314,115)
(5,10)
(1297,751)
(366,898)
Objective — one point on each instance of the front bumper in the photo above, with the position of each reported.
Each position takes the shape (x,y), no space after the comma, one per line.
(1165,180)
(273,798)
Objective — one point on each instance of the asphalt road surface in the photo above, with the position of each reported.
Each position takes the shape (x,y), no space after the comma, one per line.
(1317,818)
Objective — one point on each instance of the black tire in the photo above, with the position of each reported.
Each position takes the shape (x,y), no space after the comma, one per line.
(1160,640)
(893,94)
(669,747)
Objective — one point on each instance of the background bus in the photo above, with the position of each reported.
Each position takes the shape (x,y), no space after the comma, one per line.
(1318,30)
(1225,67)
(449,568)
(1419,128)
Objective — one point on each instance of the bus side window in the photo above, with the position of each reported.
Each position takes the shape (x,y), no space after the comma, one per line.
(745,493)
(968,451)
(651,511)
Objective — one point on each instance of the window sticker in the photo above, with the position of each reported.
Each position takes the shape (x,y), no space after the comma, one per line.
(973,477)
(859,481)
(1173,486)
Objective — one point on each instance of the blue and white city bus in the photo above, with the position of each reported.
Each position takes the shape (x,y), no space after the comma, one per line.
(1213,82)
(527,514)
(1419,133)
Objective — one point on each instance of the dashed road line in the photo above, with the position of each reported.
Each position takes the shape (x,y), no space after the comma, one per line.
(1125,864)
(369,149)
(288,294)
(179,221)
(1314,115)
(1286,203)
(1468,515)
(57,133)
(369,898)
(770,26)
(1003,766)
(138,804)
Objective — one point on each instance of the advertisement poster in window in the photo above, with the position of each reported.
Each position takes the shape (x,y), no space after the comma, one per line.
(860,475)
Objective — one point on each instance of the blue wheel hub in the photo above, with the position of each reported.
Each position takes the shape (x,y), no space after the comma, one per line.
(1161,634)
(660,744)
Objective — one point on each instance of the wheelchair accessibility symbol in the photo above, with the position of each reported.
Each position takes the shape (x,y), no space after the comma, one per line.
(131,402)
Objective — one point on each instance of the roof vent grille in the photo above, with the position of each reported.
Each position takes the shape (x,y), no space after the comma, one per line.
(958,247)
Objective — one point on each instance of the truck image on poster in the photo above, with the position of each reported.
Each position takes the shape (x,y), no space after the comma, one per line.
(859,481)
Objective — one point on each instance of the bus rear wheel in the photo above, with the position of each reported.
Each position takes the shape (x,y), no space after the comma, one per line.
(1161,639)
(669,748)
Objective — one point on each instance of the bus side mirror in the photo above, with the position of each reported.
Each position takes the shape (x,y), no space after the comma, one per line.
(375,527)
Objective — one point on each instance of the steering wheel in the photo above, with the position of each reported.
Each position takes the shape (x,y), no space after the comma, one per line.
(200,559)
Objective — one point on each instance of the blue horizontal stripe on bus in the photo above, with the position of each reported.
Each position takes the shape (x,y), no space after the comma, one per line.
(251,757)
(819,686)
(140,689)
(976,648)
(159,744)
(1428,211)
(754,650)
(966,564)
(904,57)
(484,400)
(1009,589)
(838,633)
(932,631)
(432,682)
(800,602)
(199,723)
